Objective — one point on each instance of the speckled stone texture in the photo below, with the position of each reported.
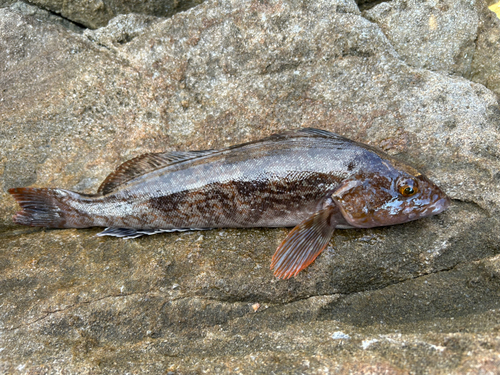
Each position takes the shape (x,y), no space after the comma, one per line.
(97,13)
(451,37)
(485,66)
(434,35)
(421,298)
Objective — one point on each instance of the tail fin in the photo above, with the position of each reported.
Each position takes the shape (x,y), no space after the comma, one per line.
(43,207)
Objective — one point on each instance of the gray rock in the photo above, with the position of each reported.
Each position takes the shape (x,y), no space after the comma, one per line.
(121,29)
(454,37)
(485,66)
(438,36)
(97,13)
(6,3)
(367,4)
(421,297)
(45,16)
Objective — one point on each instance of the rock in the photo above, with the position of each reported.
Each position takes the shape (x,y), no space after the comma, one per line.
(44,16)
(454,37)
(494,6)
(97,13)
(367,4)
(121,30)
(485,69)
(6,3)
(416,297)
(438,36)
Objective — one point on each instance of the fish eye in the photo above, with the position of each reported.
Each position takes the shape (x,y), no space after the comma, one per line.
(408,188)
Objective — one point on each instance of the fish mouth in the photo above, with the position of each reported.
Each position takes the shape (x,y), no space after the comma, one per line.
(435,208)
(439,206)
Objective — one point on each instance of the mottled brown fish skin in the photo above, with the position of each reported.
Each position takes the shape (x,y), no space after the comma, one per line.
(275,182)
(310,178)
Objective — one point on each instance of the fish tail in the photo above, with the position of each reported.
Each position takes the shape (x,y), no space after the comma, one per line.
(48,208)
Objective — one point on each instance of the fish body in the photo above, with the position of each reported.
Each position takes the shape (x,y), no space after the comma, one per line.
(311,179)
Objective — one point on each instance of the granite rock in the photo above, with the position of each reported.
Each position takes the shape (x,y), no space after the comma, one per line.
(485,66)
(421,297)
(44,16)
(6,3)
(121,30)
(438,36)
(97,13)
(451,37)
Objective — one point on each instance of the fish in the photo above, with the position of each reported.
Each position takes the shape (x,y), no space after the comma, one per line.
(310,179)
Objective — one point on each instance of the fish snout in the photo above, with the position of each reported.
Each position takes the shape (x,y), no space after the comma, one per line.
(443,203)
(439,206)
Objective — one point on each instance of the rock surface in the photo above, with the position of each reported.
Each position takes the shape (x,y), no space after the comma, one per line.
(417,298)
(6,3)
(97,13)
(44,16)
(451,37)
(438,36)
(485,67)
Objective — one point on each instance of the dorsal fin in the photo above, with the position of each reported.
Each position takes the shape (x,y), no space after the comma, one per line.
(143,164)
(278,137)
(315,131)
(304,131)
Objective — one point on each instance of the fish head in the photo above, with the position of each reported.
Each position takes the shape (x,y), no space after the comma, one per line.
(380,199)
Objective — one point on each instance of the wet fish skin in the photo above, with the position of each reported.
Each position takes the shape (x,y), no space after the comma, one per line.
(311,179)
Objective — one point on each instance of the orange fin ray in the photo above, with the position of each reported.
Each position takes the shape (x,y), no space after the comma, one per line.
(304,243)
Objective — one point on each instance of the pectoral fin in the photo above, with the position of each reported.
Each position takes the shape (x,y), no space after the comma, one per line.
(304,243)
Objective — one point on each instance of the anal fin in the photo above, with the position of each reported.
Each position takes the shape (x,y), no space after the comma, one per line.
(304,243)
